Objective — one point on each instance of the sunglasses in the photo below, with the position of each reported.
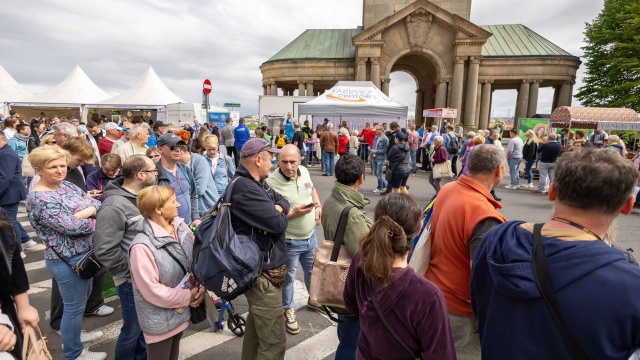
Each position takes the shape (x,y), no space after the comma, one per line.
(154,156)
(150,171)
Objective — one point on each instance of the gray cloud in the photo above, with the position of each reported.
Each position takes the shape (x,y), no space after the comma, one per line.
(223,40)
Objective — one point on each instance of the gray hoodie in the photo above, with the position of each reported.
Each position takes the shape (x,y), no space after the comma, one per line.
(116,226)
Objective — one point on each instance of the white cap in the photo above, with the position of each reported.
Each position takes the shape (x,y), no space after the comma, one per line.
(111,126)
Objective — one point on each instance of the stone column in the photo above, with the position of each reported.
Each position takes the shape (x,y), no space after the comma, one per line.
(361,69)
(265,89)
(458,82)
(274,89)
(385,86)
(476,117)
(556,96)
(301,88)
(375,71)
(485,105)
(533,98)
(523,100)
(472,95)
(419,103)
(441,93)
(310,88)
(566,91)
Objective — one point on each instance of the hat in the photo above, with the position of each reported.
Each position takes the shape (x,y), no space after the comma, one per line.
(400,135)
(169,140)
(256,146)
(74,120)
(158,124)
(111,126)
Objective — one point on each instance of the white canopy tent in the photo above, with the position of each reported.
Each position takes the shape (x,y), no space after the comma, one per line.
(76,89)
(10,90)
(148,92)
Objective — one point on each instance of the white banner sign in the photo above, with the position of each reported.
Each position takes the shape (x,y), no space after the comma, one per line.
(609,125)
(355,123)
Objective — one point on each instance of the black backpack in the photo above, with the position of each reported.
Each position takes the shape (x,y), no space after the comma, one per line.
(452,148)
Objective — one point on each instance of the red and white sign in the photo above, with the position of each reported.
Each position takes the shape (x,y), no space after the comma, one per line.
(206,87)
(441,113)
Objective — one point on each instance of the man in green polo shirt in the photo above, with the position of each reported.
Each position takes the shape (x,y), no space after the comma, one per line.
(293,182)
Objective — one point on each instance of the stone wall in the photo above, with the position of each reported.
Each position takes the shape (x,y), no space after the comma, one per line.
(376,10)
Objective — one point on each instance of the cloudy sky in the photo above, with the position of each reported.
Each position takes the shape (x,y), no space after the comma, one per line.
(224,40)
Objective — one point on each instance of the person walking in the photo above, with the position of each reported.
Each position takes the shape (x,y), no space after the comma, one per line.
(549,154)
(380,269)
(62,215)
(452,147)
(293,182)
(329,145)
(395,128)
(413,141)
(398,162)
(116,226)
(299,141)
(159,257)
(514,158)
(439,156)
(378,157)
(221,166)
(529,155)
(242,134)
(229,140)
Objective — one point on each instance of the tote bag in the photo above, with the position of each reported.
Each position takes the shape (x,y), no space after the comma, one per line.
(34,346)
(27,169)
(421,256)
(442,170)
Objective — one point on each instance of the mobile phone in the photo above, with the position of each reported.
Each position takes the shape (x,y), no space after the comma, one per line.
(311,205)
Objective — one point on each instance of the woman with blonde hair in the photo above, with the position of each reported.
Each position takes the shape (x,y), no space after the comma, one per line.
(529,155)
(387,294)
(160,256)
(222,168)
(48,140)
(153,154)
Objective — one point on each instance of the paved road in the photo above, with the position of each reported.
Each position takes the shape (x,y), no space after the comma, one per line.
(317,338)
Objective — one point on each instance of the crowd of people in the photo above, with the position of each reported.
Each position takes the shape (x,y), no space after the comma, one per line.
(132,194)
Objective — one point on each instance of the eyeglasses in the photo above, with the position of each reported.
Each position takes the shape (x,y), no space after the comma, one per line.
(150,171)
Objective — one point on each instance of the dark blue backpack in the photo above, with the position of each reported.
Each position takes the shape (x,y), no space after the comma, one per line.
(225,262)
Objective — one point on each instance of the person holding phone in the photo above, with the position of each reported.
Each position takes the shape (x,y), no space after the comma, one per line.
(293,182)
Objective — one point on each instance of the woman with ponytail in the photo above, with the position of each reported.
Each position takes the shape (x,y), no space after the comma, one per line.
(413,307)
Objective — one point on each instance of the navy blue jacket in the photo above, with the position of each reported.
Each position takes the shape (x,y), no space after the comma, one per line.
(550,151)
(596,287)
(12,190)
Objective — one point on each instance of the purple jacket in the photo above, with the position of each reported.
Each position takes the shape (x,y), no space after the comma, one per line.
(98,180)
(413,306)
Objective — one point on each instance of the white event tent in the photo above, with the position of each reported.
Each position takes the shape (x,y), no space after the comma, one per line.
(149,92)
(10,90)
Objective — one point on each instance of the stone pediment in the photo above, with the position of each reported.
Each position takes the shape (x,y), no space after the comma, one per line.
(418,18)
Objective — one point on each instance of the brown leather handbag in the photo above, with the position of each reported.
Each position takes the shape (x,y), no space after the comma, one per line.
(34,347)
(330,267)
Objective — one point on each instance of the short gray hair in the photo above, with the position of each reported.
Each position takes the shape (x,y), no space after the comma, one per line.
(471,134)
(66,129)
(553,136)
(329,126)
(136,129)
(484,159)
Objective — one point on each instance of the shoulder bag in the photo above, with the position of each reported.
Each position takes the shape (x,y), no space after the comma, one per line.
(330,267)
(86,268)
(442,170)
(27,169)
(543,280)
(198,314)
(374,300)
(34,346)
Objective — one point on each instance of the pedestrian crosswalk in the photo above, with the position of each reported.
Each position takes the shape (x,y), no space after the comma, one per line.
(316,340)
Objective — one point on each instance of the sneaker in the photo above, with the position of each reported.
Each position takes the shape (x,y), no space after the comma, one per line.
(529,185)
(375,191)
(103,310)
(312,305)
(29,244)
(536,191)
(496,198)
(511,187)
(90,355)
(22,254)
(86,337)
(290,322)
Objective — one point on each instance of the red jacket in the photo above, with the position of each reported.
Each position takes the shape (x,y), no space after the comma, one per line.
(104,145)
(369,136)
(439,155)
(343,145)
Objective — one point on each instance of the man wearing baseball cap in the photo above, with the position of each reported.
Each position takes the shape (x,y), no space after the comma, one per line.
(259,210)
(112,132)
(173,173)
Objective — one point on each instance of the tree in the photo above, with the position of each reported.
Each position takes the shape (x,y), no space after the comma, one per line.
(612,53)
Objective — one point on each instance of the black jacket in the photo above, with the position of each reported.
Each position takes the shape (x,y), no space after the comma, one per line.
(399,158)
(550,151)
(253,210)
(530,151)
(392,140)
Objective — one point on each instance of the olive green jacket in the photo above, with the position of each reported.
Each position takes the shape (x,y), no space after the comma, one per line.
(358,223)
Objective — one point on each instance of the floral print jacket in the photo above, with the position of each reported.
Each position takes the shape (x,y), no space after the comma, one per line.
(51,215)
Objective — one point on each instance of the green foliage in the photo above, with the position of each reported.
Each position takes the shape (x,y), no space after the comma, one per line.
(612,52)
(251,126)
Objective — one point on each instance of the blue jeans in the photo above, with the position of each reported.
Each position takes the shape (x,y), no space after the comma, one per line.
(74,292)
(514,167)
(365,152)
(21,233)
(328,158)
(378,164)
(412,152)
(131,344)
(298,250)
(348,337)
(527,169)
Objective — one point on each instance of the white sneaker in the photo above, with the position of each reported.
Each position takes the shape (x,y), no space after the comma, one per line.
(529,185)
(103,310)
(90,355)
(85,336)
(22,254)
(375,191)
(29,244)
(511,187)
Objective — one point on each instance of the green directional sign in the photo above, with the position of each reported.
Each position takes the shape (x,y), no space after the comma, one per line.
(233,105)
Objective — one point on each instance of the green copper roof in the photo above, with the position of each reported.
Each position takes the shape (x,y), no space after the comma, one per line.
(320,44)
(518,40)
(507,41)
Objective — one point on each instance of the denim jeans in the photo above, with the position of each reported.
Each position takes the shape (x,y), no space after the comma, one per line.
(298,250)
(74,292)
(378,164)
(527,169)
(328,158)
(348,338)
(131,344)
(546,170)
(514,167)
(21,233)
(412,152)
